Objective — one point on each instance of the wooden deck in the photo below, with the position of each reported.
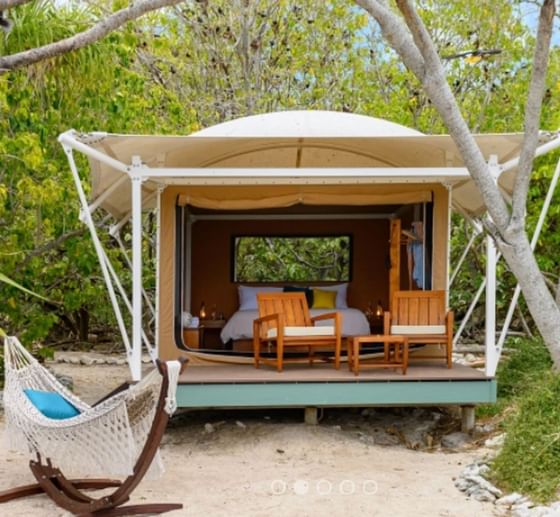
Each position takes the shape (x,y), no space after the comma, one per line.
(302,373)
(243,386)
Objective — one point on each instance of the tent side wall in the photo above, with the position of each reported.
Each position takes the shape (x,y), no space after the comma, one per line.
(167,252)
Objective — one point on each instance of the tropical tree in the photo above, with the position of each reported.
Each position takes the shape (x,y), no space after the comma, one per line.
(410,38)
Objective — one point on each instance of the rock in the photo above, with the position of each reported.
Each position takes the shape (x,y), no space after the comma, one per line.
(470,358)
(121,362)
(382,437)
(73,360)
(485,485)
(484,429)
(86,361)
(208,428)
(462,484)
(483,469)
(471,470)
(238,423)
(368,411)
(436,416)
(496,441)
(509,499)
(337,428)
(521,511)
(1,400)
(455,440)
(66,381)
(483,495)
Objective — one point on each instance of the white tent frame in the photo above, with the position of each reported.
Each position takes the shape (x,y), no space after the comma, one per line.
(138,173)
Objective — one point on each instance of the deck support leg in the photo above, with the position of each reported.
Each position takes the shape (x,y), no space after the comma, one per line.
(467,418)
(311,416)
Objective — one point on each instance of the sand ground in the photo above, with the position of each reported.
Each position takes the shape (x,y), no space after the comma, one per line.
(265,463)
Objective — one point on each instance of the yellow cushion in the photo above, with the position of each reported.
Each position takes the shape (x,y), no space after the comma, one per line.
(324,299)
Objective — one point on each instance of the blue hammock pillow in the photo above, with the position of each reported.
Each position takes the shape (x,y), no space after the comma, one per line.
(51,404)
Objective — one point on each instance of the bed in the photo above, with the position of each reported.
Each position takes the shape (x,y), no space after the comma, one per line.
(240,325)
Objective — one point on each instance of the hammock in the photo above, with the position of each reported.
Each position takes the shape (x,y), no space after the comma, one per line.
(109,438)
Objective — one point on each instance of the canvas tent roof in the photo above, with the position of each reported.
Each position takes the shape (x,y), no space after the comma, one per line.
(291,139)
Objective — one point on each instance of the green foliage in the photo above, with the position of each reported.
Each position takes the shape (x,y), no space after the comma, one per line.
(292,259)
(177,70)
(528,394)
(529,461)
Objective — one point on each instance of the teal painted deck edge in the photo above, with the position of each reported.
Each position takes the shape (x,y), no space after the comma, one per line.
(325,394)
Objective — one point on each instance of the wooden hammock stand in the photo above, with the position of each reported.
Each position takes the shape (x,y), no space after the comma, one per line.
(67,493)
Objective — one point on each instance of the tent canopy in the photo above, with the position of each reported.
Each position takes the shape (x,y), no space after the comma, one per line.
(305,141)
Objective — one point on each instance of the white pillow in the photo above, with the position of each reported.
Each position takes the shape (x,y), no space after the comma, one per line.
(341,293)
(248,296)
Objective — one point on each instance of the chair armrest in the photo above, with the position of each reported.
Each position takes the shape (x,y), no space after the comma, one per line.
(449,321)
(257,323)
(268,317)
(336,316)
(327,316)
(386,323)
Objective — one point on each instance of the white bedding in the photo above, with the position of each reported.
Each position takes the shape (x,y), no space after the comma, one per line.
(240,325)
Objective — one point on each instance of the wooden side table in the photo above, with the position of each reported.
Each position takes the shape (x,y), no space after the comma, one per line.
(212,330)
(395,352)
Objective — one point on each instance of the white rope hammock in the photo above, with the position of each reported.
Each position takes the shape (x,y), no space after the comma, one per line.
(102,440)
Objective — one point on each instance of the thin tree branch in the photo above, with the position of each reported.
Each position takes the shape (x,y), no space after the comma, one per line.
(82,39)
(445,102)
(9,4)
(55,243)
(420,56)
(532,114)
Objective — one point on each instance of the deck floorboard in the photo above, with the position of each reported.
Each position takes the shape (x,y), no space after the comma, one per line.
(295,373)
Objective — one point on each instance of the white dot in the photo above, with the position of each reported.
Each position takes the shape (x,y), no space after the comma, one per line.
(347,487)
(278,487)
(369,487)
(301,487)
(324,487)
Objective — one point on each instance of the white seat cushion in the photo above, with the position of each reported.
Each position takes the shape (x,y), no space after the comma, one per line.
(423,330)
(302,331)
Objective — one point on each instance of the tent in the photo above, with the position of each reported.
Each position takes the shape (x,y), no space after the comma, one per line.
(290,163)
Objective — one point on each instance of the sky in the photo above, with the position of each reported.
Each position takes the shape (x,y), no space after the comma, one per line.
(530,13)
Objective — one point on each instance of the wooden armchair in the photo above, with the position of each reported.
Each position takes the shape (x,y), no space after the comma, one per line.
(422,317)
(284,320)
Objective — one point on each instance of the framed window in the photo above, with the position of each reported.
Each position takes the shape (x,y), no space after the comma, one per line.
(284,259)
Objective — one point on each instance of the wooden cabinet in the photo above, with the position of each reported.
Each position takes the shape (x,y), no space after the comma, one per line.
(193,337)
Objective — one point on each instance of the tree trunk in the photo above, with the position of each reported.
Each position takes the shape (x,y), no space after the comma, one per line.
(83,324)
(540,301)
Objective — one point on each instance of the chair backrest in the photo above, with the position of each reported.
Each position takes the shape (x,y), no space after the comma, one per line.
(293,306)
(418,308)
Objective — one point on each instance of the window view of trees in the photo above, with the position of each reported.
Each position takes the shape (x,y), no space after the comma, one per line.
(292,259)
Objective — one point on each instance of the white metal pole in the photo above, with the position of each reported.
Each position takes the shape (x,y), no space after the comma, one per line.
(68,140)
(102,197)
(136,357)
(158,242)
(534,240)
(124,296)
(542,149)
(462,258)
(490,330)
(97,245)
(117,237)
(187,269)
